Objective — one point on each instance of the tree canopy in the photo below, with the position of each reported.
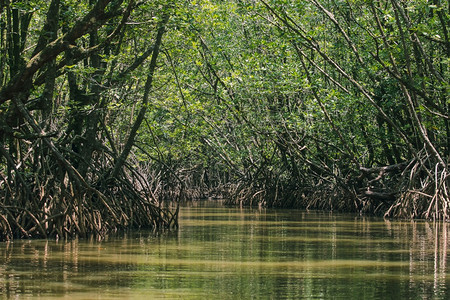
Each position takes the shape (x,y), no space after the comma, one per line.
(109,109)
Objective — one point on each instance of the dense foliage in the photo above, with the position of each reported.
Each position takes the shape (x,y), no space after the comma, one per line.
(110,108)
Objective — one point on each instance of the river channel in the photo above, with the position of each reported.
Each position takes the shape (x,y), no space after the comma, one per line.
(238,253)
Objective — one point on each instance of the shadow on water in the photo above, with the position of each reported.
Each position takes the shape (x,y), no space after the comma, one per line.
(239,253)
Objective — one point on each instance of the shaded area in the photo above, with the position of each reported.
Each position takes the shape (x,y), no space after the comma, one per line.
(63,172)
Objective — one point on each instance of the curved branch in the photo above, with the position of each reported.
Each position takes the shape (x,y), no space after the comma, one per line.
(94,19)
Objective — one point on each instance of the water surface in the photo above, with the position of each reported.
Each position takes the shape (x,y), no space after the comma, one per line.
(234,253)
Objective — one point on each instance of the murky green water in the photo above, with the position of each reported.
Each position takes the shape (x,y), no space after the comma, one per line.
(232,253)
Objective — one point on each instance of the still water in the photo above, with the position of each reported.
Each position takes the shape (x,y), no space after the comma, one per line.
(234,253)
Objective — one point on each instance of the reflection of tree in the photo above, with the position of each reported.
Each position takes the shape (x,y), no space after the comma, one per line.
(243,253)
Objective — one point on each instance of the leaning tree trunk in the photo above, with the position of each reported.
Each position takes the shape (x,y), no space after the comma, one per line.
(48,188)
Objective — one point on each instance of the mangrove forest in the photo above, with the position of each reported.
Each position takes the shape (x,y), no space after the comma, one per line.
(114,111)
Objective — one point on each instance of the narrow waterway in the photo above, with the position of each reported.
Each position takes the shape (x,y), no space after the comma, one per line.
(234,253)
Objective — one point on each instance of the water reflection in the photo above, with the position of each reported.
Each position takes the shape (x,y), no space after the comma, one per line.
(235,253)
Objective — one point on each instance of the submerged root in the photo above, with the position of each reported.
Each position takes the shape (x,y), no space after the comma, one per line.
(82,214)
(418,189)
(424,194)
(51,204)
